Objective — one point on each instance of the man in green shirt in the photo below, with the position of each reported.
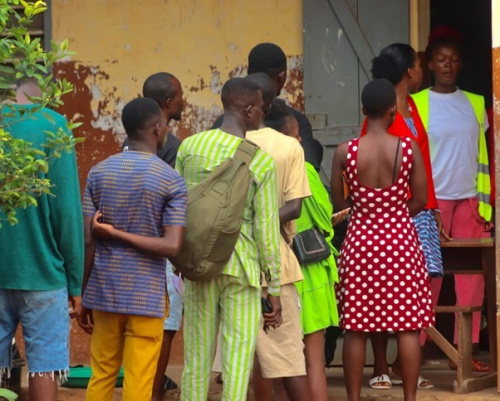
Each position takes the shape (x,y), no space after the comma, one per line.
(41,257)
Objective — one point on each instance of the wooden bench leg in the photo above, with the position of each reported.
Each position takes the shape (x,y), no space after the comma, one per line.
(443,344)
(464,365)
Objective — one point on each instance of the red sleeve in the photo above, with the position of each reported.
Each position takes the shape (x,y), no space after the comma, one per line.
(423,144)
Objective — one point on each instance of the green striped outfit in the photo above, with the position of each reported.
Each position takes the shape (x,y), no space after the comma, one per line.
(231,301)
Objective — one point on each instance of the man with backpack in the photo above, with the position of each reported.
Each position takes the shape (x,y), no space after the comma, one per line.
(231,301)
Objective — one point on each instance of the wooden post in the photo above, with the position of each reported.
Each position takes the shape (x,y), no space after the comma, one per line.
(495,17)
(420,24)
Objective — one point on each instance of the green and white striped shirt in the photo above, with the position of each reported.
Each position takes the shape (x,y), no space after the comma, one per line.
(257,248)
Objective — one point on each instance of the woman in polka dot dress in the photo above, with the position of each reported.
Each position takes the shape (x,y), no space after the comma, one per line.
(384,284)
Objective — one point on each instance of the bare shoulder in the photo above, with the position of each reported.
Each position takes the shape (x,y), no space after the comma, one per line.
(414,145)
(341,150)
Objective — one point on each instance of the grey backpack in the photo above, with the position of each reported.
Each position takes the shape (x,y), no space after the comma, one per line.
(214,216)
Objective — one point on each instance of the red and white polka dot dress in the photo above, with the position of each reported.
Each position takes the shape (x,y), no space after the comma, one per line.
(383,282)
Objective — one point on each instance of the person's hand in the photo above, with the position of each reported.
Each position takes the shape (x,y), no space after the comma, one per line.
(339,216)
(439,221)
(100,230)
(273,319)
(75,306)
(85,320)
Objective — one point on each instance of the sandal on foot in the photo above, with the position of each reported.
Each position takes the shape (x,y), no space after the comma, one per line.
(423,383)
(477,366)
(382,382)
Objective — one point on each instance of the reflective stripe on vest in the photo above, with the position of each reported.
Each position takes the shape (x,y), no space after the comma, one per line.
(483,171)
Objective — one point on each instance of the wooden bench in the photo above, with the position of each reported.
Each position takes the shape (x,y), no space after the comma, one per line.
(469,256)
(462,355)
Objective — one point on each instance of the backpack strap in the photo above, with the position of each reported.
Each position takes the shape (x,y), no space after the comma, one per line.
(246,151)
(242,156)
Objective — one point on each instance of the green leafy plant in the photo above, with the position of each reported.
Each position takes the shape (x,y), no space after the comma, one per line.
(22,166)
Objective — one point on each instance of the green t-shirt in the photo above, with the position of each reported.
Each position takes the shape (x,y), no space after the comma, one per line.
(44,251)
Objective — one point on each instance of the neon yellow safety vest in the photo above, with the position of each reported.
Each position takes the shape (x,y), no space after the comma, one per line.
(483,172)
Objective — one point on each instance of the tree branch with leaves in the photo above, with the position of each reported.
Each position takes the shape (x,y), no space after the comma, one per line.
(22,166)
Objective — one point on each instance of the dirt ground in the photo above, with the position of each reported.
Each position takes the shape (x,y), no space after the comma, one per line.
(438,373)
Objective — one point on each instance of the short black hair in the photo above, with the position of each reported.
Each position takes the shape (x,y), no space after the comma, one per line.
(159,87)
(236,91)
(266,86)
(393,62)
(377,97)
(278,115)
(442,42)
(267,58)
(138,114)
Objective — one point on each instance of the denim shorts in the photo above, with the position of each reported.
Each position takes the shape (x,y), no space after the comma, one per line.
(174,319)
(44,316)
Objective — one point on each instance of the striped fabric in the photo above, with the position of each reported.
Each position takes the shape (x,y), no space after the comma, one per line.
(258,246)
(231,301)
(236,305)
(426,227)
(138,193)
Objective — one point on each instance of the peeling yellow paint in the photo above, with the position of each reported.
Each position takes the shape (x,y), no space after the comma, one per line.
(202,42)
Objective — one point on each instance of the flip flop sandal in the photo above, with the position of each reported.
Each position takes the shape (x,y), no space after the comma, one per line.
(382,382)
(422,386)
(478,366)
(420,383)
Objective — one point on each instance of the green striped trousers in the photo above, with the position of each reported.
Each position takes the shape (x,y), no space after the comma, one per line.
(231,305)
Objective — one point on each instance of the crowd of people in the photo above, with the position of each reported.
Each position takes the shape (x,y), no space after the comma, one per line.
(415,176)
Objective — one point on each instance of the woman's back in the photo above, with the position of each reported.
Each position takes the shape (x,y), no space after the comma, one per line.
(378,160)
(382,272)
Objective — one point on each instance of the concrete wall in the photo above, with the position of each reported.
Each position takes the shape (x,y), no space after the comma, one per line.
(203,42)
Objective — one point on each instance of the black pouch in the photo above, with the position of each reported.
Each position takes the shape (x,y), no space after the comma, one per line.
(310,246)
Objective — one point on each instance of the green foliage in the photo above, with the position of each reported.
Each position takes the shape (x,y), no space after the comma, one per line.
(23,167)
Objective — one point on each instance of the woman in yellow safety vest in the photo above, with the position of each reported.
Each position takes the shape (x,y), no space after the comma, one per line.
(456,122)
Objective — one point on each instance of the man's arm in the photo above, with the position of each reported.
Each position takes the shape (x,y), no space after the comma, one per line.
(266,234)
(266,227)
(173,221)
(169,245)
(290,211)
(66,219)
(84,319)
(90,246)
